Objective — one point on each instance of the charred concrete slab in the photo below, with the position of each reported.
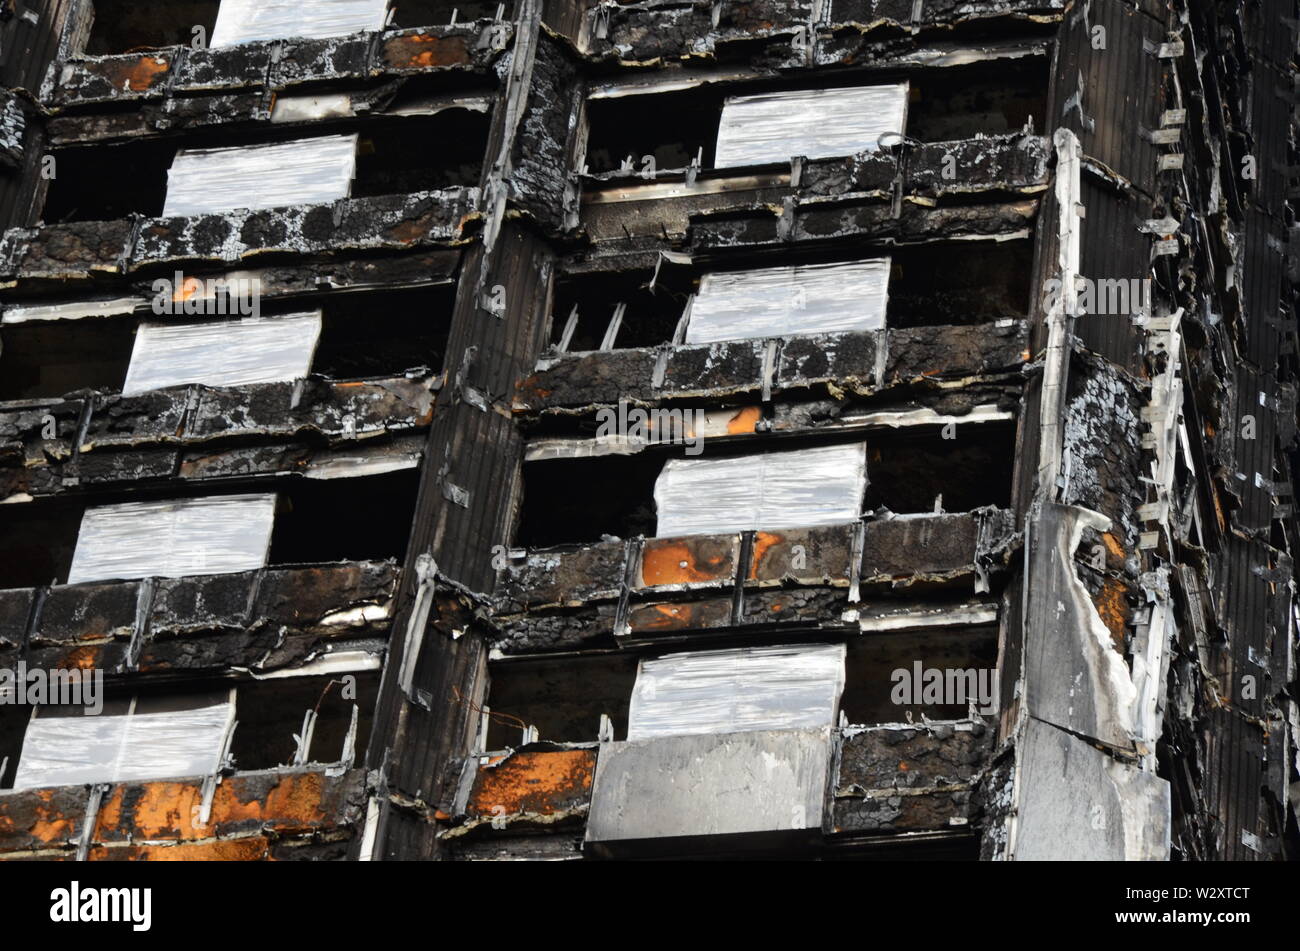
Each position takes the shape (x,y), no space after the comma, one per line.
(269,619)
(833,363)
(389,222)
(87,250)
(247,816)
(87,612)
(334,429)
(861,189)
(275,65)
(766,227)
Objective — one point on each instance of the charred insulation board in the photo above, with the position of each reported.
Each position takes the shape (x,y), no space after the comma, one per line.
(709,793)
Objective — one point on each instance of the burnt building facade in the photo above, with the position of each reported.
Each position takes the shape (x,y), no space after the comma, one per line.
(843,429)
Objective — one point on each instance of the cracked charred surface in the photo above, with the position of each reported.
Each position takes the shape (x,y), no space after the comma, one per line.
(85,251)
(191,433)
(274,814)
(849,196)
(908,779)
(270,619)
(561,600)
(836,363)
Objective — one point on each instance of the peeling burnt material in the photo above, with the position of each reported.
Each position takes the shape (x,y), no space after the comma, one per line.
(538,788)
(271,66)
(908,779)
(250,816)
(270,619)
(89,249)
(13,128)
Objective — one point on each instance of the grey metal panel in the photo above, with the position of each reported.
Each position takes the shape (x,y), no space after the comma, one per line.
(672,792)
(1234,780)
(1120,86)
(1076,803)
(1255,398)
(1112,249)
(1263,275)
(1270,122)
(1074,678)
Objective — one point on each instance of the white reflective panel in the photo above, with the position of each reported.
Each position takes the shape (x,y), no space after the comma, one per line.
(244,21)
(783,301)
(793,489)
(734,691)
(174,538)
(301,172)
(815,123)
(232,352)
(65,751)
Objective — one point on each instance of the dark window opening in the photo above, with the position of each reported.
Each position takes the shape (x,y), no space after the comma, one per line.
(969,282)
(981,99)
(396,155)
(873,659)
(37,540)
(577,501)
(409,13)
(317,520)
(124,26)
(377,333)
(364,335)
(53,358)
(647,317)
(361,519)
(909,470)
(673,127)
(270,712)
(421,153)
(564,699)
(108,182)
(943,105)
